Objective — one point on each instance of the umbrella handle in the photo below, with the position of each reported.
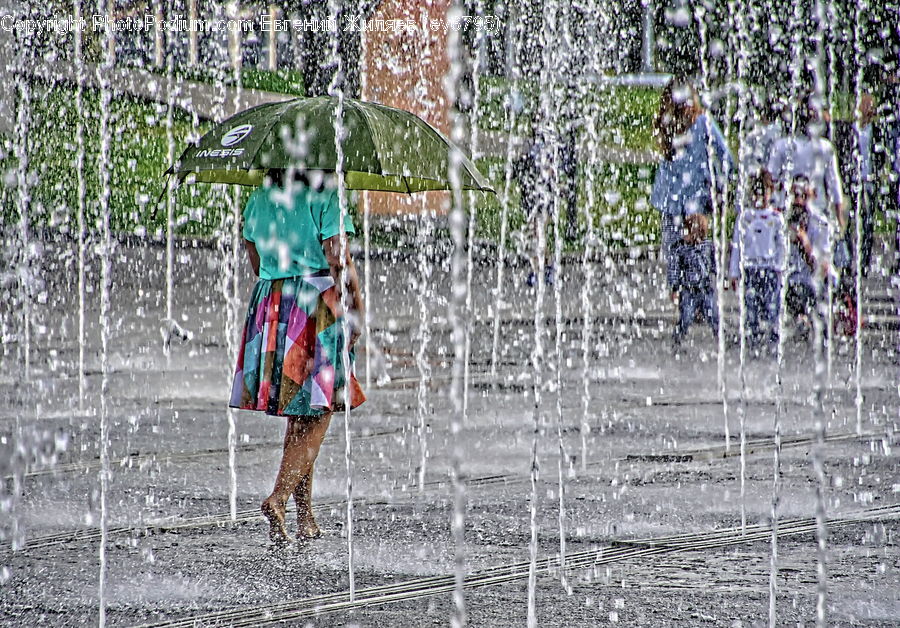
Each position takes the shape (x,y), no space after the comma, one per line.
(161,194)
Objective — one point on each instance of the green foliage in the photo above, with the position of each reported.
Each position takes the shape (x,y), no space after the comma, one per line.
(616,195)
(138,157)
(281,81)
(624,114)
(621,211)
(489,207)
(496,94)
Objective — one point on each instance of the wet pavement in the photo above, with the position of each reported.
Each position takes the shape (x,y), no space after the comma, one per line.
(638,436)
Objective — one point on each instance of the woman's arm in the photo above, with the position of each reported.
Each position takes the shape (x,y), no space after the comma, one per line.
(806,247)
(734,260)
(776,163)
(337,264)
(253,256)
(833,184)
(721,147)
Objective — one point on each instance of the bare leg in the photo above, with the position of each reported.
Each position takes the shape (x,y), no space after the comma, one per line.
(302,440)
(538,223)
(307,528)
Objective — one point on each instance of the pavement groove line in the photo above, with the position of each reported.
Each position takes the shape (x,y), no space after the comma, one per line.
(245,516)
(136,458)
(689,538)
(437,585)
(205,521)
(170,525)
(758,445)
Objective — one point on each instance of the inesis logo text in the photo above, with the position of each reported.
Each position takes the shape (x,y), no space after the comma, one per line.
(234,136)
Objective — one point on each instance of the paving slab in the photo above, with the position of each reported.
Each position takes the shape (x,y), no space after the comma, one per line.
(637,435)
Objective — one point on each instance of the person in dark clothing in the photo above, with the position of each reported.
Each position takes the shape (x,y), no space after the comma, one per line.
(886,158)
(569,163)
(855,143)
(535,173)
(692,276)
(809,266)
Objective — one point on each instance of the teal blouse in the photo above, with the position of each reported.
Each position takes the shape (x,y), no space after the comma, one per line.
(288,231)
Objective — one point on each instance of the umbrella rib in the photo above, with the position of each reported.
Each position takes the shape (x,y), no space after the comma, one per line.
(422,124)
(396,117)
(269,129)
(361,111)
(181,175)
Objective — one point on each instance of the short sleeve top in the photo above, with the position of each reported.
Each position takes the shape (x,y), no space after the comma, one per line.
(813,157)
(288,229)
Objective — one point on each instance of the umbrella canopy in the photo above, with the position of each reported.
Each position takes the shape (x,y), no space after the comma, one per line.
(384,148)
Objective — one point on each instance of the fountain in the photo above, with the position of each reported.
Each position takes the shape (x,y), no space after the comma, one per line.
(131,487)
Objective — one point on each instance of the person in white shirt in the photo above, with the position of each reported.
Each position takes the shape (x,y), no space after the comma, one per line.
(809,257)
(813,156)
(758,255)
(768,128)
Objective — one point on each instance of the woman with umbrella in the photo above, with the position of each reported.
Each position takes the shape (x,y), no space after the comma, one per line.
(292,360)
(290,357)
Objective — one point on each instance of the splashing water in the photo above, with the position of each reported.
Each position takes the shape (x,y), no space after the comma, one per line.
(106,251)
(594,398)
(513,47)
(456,316)
(78,53)
(718,227)
(740,35)
(336,90)
(424,333)
(471,101)
(859,52)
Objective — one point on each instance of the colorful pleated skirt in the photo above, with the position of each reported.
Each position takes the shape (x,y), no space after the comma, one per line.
(290,360)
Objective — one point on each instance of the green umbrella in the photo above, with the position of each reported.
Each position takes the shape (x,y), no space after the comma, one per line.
(384,148)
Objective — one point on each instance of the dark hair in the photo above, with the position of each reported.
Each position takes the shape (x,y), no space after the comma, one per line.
(773,106)
(798,215)
(760,182)
(808,111)
(697,224)
(278,177)
(800,179)
(675,116)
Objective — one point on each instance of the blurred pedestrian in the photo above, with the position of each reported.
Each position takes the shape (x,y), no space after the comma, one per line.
(766,129)
(684,183)
(536,174)
(885,184)
(865,213)
(692,276)
(896,173)
(809,258)
(810,154)
(758,254)
(290,362)
(854,141)
(568,157)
